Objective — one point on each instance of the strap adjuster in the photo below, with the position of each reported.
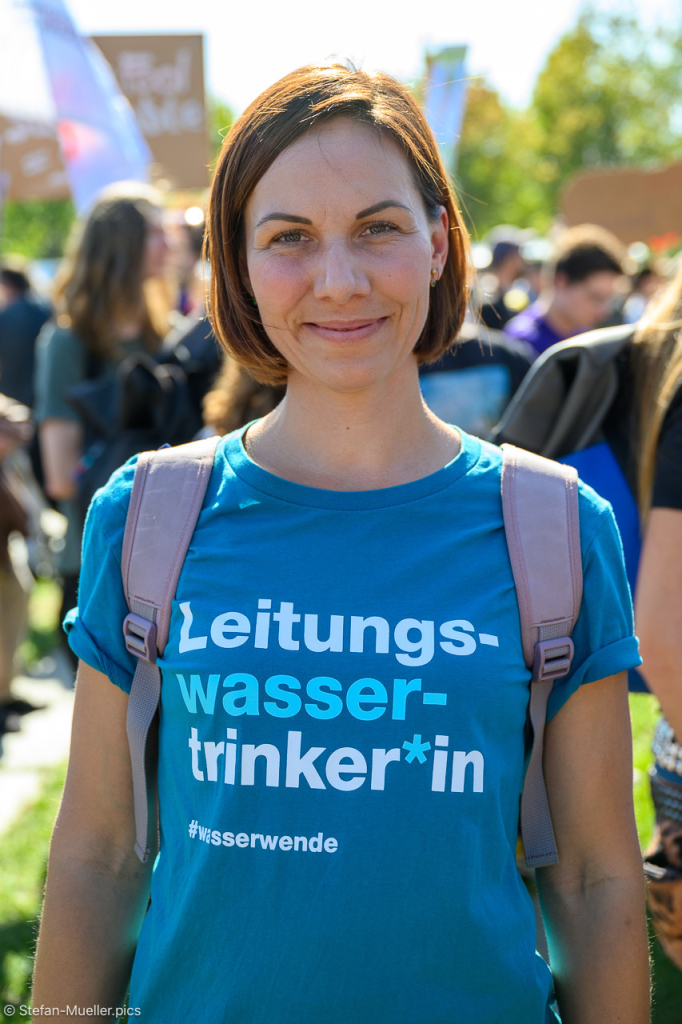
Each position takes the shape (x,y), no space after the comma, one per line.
(140,637)
(553,659)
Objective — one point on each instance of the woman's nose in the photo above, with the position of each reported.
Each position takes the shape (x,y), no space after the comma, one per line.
(339,275)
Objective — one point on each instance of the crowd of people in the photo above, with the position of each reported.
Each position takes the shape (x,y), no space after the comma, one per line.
(364,371)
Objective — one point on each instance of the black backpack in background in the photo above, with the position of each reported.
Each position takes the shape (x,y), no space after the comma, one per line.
(149,402)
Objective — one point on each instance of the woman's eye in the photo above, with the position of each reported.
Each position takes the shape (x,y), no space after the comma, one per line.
(379,228)
(289,236)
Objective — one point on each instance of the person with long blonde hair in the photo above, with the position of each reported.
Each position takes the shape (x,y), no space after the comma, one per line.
(108,305)
(656,374)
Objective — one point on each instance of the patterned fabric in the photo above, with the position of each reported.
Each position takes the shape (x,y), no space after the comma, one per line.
(663,868)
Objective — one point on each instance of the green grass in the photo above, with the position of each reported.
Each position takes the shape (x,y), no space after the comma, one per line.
(23,855)
(42,635)
(644,714)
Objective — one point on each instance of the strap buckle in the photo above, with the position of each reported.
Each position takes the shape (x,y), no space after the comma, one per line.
(553,659)
(140,637)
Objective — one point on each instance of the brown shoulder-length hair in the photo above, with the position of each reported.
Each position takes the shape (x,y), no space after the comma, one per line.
(101,283)
(656,363)
(236,398)
(297,103)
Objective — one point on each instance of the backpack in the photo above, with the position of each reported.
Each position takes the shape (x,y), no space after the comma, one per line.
(540,506)
(148,402)
(559,412)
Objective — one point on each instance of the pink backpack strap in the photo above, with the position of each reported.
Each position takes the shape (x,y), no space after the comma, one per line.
(540,506)
(168,492)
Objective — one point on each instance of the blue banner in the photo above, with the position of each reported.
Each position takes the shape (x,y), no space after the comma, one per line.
(445,98)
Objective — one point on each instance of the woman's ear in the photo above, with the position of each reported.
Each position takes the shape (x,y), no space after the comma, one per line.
(440,241)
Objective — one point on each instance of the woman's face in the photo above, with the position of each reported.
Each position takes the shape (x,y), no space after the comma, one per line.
(339,254)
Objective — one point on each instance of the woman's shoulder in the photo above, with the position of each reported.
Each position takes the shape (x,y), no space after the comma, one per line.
(60,350)
(59,337)
(61,363)
(109,507)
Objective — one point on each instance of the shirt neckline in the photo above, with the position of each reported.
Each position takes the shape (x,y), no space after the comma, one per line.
(313,497)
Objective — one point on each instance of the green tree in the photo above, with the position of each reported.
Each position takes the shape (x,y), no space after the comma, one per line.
(220,120)
(497,179)
(36,228)
(610,94)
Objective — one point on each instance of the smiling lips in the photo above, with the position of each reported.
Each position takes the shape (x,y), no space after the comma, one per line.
(346,330)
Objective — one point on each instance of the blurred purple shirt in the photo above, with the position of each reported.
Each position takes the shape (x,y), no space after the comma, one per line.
(531,326)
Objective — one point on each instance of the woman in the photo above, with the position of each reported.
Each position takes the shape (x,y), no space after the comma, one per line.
(109,305)
(351,529)
(15,431)
(649,408)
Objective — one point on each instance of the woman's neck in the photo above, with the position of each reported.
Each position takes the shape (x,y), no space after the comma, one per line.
(381,437)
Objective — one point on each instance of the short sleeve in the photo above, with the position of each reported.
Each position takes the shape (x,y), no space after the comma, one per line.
(667,492)
(603,635)
(61,363)
(95,627)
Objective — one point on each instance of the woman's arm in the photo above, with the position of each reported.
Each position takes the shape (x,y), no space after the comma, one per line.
(593,899)
(97,889)
(61,443)
(658,610)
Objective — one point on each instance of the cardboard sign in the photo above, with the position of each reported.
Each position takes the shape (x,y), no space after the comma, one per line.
(163,78)
(636,205)
(30,161)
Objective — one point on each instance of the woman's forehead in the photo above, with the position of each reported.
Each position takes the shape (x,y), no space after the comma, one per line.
(344,159)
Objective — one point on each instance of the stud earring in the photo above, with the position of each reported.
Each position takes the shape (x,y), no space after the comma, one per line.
(434,277)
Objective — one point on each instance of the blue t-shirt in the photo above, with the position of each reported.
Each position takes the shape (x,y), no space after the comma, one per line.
(342,746)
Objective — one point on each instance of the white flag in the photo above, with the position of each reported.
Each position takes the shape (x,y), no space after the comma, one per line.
(99,137)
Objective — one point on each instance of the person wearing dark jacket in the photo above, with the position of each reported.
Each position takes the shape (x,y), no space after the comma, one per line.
(22,315)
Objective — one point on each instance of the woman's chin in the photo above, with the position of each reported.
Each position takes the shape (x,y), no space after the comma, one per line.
(354,373)
(345,380)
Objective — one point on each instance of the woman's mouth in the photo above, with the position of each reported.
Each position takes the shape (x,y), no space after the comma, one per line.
(346,330)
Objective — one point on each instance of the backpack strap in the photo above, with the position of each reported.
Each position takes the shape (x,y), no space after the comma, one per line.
(168,491)
(540,507)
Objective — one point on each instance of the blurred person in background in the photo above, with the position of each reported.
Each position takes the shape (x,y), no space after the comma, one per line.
(581,282)
(644,285)
(107,308)
(614,410)
(506,267)
(186,265)
(651,403)
(474,381)
(15,431)
(22,314)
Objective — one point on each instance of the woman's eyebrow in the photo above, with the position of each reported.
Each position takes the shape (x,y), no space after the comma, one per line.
(381,206)
(291,218)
